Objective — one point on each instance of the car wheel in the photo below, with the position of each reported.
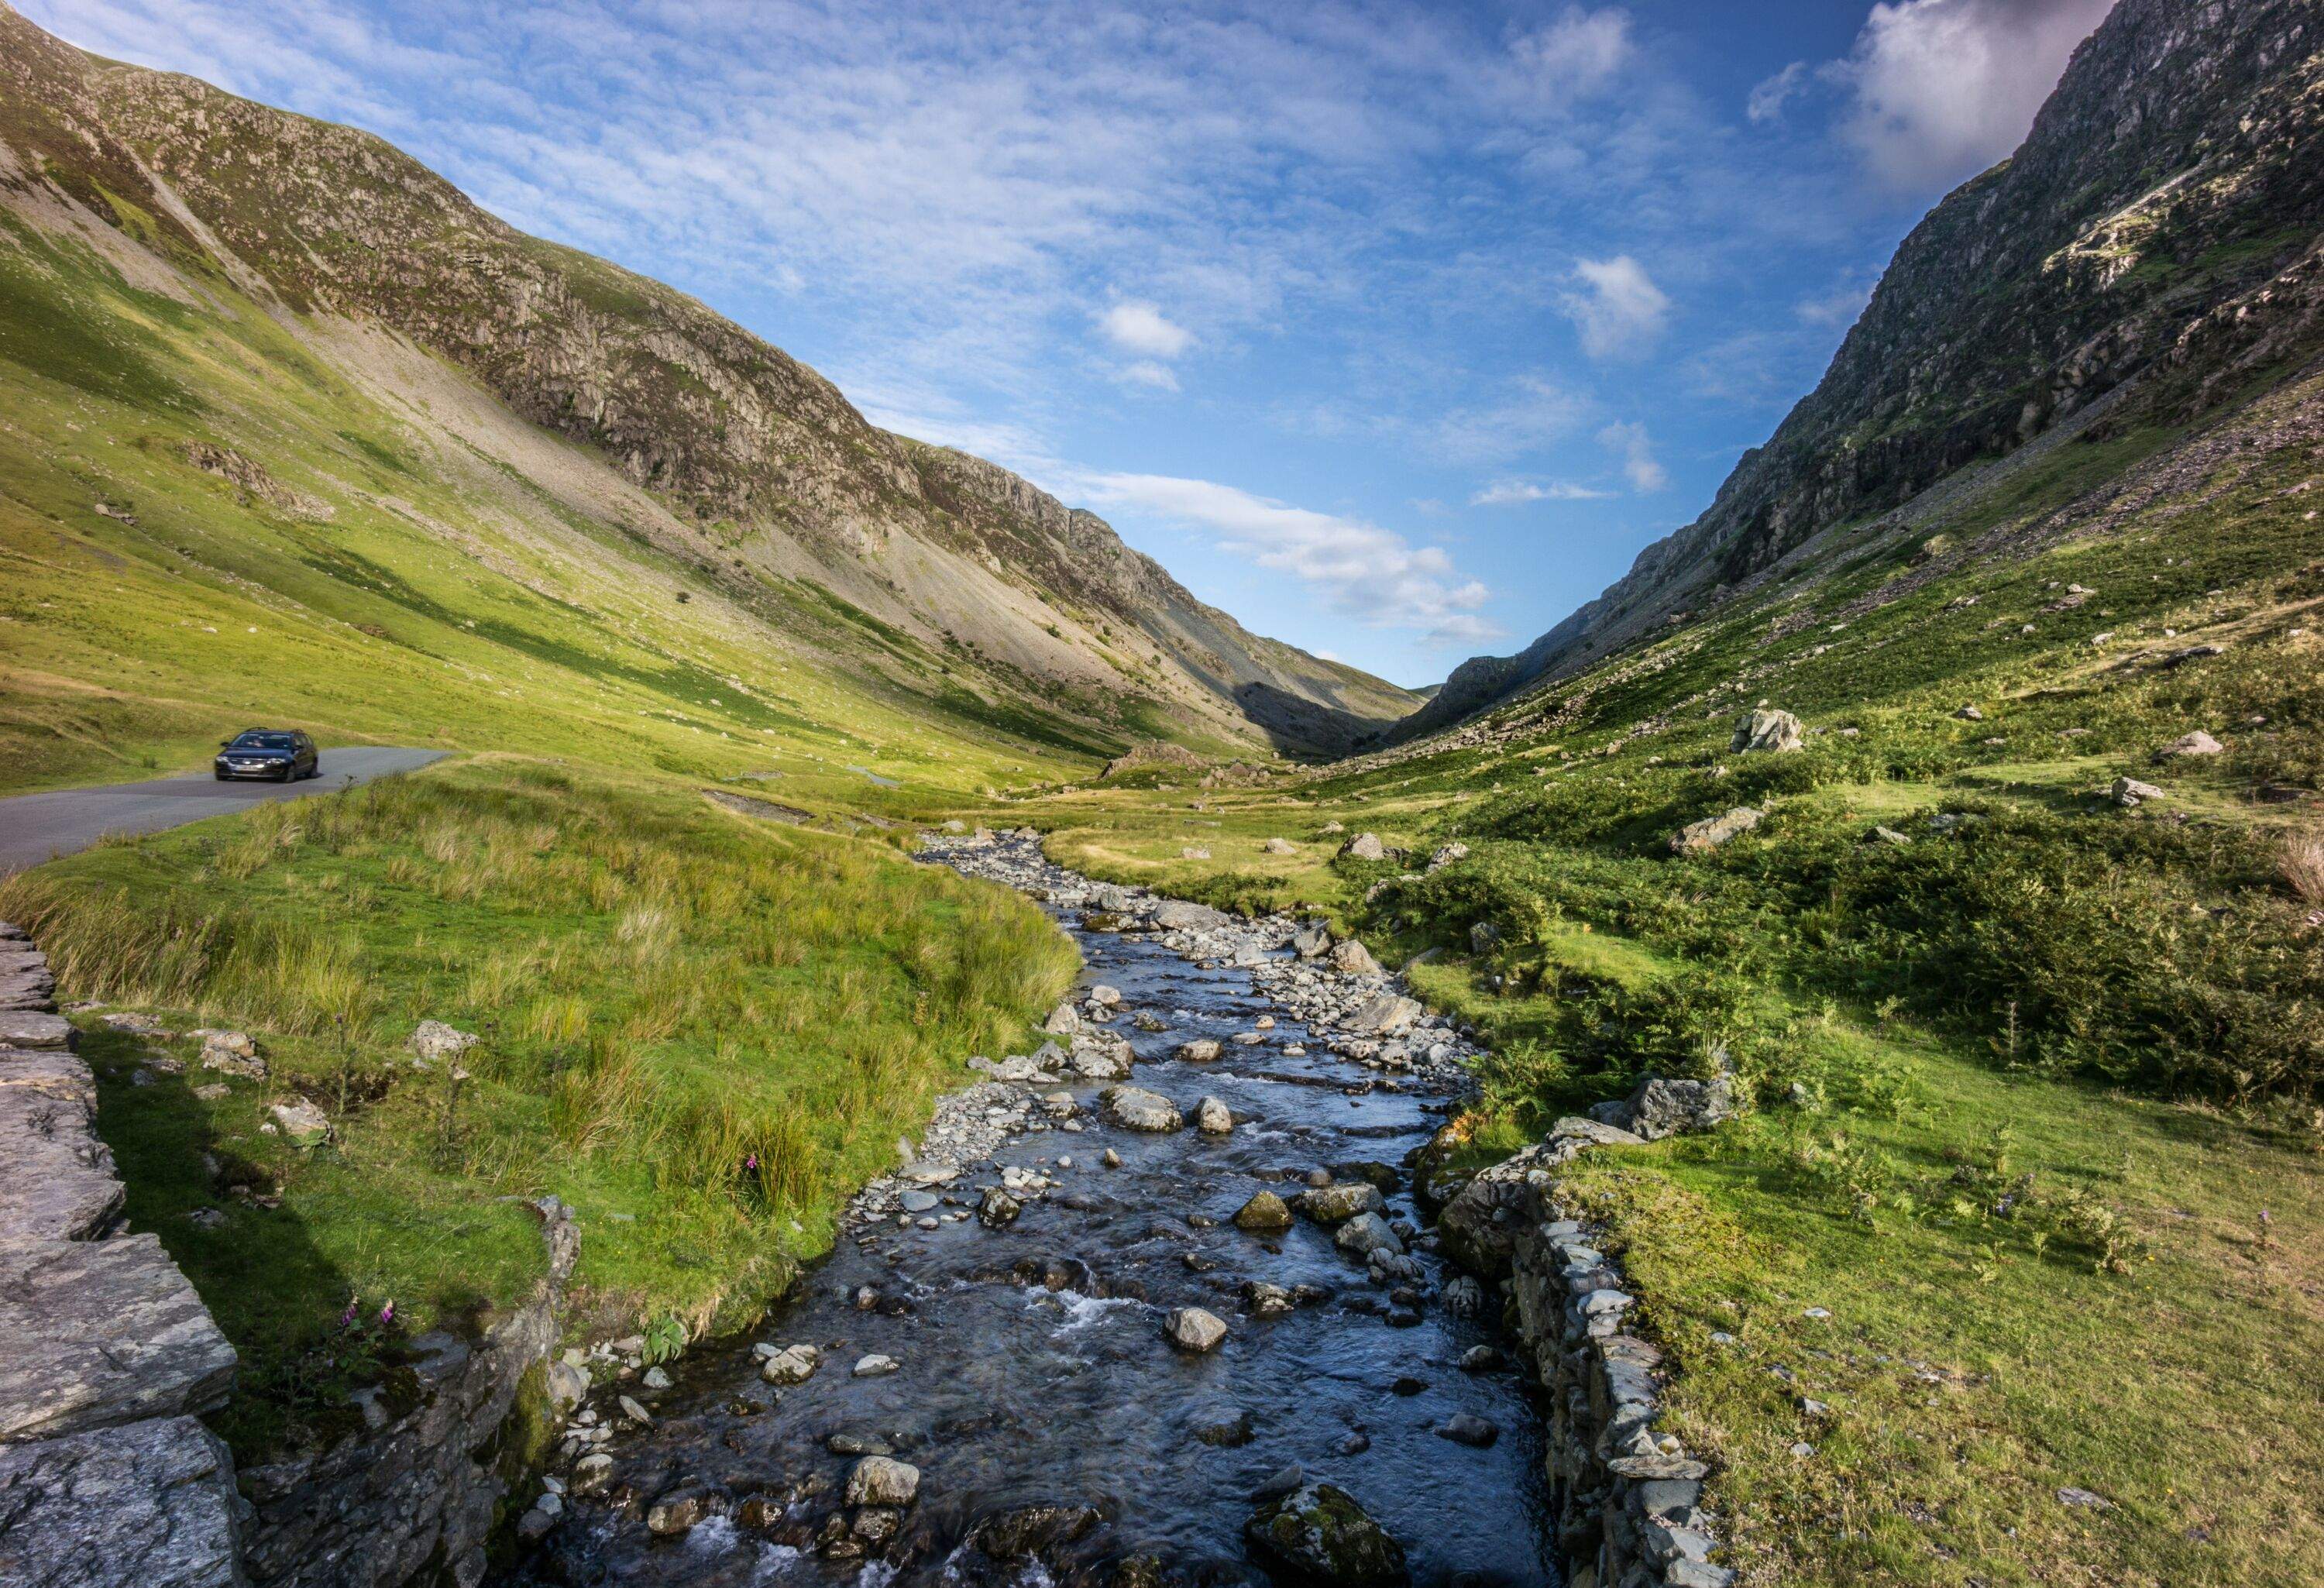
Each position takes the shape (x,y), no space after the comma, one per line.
(219,776)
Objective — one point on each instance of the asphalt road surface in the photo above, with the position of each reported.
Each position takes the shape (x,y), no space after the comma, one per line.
(35,828)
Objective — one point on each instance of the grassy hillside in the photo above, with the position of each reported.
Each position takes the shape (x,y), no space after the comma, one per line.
(701,1028)
(2037,1074)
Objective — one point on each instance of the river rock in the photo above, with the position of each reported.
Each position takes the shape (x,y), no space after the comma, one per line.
(1103,1057)
(998,1210)
(1319,1534)
(1064,1020)
(1212,1117)
(1387,1015)
(1177,915)
(791,1364)
(1366,1234)
(880,1479)
(1467,1429)
(1263,1214)
(1103,996)
(1201,1051)
(1312,941)
(1349,958)
(1765,730)
(1136,1109)
(1033,1529)
(875,1365)
(1191,1328)
(1333,1204)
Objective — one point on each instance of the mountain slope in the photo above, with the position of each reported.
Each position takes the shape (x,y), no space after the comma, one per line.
(2153,244)
(150,219)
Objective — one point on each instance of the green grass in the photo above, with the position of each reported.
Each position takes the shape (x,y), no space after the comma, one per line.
(2126,1005)
(667,992)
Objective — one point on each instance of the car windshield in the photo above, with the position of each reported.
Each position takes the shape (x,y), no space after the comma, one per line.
(263,742)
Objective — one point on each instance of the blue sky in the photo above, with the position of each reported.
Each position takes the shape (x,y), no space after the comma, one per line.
(1398,330)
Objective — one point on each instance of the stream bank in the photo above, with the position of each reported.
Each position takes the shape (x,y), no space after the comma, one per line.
(1150,1305)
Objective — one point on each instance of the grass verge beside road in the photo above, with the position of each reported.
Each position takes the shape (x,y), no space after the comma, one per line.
(700,1029)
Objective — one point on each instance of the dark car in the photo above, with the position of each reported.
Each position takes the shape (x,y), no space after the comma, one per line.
(281,753)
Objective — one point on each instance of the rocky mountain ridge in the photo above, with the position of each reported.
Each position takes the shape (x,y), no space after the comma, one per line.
(764,460)
(2155,237)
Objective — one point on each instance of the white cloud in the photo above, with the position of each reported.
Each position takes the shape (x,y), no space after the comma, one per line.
(1136,327)
(1942,88)
(1512,492)
(1146,372)
(1360,570)
(1536,411)
(1618,311)
(1627,441)
(1577,54)
(1769,94)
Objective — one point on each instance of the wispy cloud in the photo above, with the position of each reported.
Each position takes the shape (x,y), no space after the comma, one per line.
(1626,439)
(1359,569)
(1618,311)
(1576,54)
(1771,94)
(1514,493)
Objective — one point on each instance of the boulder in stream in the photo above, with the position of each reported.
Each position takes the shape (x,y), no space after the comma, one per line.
(1319,1534)
(1136,1109)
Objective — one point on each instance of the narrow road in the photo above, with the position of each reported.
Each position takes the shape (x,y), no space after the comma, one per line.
(37,827)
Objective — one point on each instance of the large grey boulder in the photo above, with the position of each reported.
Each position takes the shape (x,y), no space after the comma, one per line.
(879,1480)
(100,1333)
(1136,1109)
(1349,958)
(434,1041)
(1333,1204)
(2197,743)
(1387,1015)
(1178,916)
(1765,730)
(148,1505)
(1660,1106)
(1366,1233)
(1319,1534)
(1312,941)
(1101,1055)
(1363,847)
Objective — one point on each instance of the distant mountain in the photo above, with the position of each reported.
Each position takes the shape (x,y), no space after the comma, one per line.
(758,469)
(2151,249)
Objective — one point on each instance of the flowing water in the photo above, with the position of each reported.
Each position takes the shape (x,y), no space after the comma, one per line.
(1033,1372)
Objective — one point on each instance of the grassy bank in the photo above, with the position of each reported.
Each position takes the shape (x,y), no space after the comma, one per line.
(2033,1074)
(700,1029)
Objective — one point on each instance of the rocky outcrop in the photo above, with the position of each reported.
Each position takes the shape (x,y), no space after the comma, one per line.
(422,1487)
(107,1479)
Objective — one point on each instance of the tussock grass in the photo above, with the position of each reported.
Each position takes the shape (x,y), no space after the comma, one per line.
(700,1031)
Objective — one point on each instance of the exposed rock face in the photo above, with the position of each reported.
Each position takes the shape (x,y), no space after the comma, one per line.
(376,1509)
(107,1479)
(2151,231)
(150,1504)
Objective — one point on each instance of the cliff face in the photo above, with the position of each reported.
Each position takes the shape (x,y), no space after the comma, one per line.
(2150,234)
(761,453)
